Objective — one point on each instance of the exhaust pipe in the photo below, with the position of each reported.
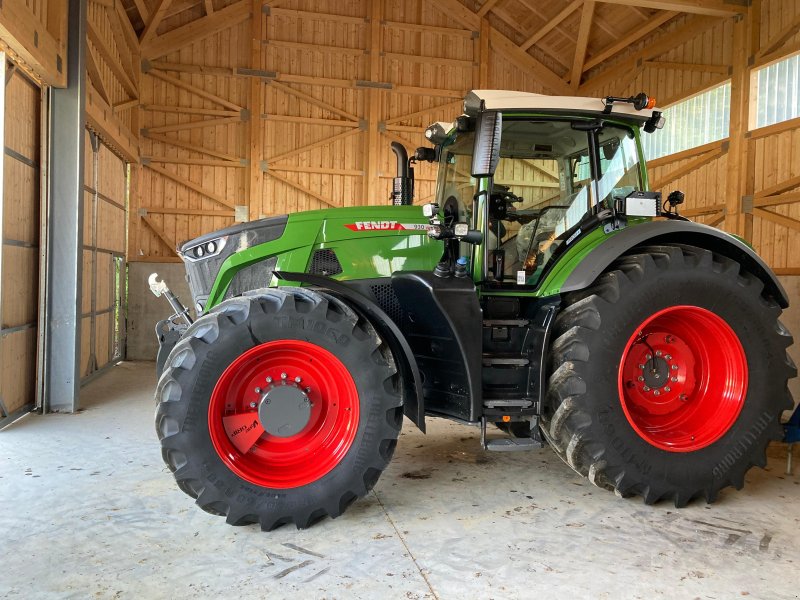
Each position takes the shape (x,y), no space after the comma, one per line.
(403,184)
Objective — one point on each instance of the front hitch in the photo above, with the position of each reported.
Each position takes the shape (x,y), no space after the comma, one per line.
(169,330)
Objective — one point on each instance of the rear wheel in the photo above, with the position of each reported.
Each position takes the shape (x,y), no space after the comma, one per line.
(668,376)
(280,406)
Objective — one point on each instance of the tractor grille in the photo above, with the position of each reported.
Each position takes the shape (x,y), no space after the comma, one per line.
(325,262)
(255,276)
(387,300)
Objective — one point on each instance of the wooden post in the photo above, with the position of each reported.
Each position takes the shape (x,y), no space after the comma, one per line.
(255,183)
(738,161)
(373,104)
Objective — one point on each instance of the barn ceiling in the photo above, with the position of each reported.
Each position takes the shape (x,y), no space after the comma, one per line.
(570,36)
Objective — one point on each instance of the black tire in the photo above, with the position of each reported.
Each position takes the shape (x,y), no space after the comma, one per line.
(213,342)
(584,420)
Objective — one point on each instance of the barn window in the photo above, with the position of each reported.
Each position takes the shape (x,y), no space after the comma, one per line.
(699,120)
(777,98)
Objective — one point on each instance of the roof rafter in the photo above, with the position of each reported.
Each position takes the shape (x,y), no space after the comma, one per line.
(155,21)
(583,41)
(551,24)
(714,8)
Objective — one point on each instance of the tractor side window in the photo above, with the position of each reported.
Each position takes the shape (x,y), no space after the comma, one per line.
(456,187)
(619,163)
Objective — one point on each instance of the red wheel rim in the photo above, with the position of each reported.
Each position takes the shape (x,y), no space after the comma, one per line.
(236,417)
(683,378)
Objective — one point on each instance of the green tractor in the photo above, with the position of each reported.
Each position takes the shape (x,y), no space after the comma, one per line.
(546,296)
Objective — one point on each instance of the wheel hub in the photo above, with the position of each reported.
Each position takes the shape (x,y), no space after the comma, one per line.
(655,372)
(284,411)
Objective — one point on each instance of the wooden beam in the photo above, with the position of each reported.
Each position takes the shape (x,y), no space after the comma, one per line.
(307,148)
(526,62)
(190,110)
(318,16)
(391,25)
(177,82)
(312,100)
(512,22)
(202,162)
(317,170)
(633,37)
(583,41)
(309,120)
(101,118)
(191,185)
(683,155)
(25,35)
(424,111)
(780,38)
(125,47)
(484,54)
(713,8)
(778,200)
(551,24)
(429,60)
(209,4)
(162,139)
(155,20)
(191,125)
(160,234)
(778,188)
(697,163)
(303,189)
(127,104)
(681,66)
(94,74)
(111,60)
(312,48)
(144,12)
(371,164)
(127,29)
(703,210)
(777,218)
(487,6)
(197,212)
(197,30)
(693,27)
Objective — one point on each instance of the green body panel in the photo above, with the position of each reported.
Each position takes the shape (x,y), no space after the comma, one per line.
(370,248)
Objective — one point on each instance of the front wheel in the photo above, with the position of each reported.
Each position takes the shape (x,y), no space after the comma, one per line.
(277,407)
(668,376)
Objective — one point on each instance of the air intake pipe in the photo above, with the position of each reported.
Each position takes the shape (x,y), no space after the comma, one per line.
(403,184)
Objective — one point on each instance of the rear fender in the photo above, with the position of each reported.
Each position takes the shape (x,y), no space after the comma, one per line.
(413,403)
(673,232)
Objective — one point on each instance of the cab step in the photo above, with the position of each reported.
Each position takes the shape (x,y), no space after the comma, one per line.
(498,360)
(513,444)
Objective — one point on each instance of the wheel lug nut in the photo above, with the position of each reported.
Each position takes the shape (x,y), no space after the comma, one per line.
(673,379)
(658,353)
(668,339)
(253,405)
(308,390)
(657,393)
(668,357)
(640,378)
(649,356)
(283,375)
(297,379)
(646,389)
(667,389)
(641,367)
(258,390)
(269,379)
(674,367)
(683,397)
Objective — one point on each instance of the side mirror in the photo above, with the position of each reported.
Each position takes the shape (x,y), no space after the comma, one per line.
(486,151)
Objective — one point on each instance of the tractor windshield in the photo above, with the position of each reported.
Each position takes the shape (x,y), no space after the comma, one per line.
(544,185)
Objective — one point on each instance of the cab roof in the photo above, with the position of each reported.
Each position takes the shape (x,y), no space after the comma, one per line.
(502,100)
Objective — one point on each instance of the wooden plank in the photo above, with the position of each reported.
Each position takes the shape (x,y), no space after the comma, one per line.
(111,60)
(317,170)
(714,8)
(777,200)
(144,11)
(94,74)
(191,185)
(775,129)
(177,82)
(192,125)
(428,60)
(203,162)
(312,48)
(197,30)
(486,7)
(126,105)
(256,132)
(303,189)
(551,24)
(318,16)
(703,210)
(188,110)
(191,147)
(778,188)
(23,33)
(309,120)
(390,25)
(583,40)
(615,48)
(160,234)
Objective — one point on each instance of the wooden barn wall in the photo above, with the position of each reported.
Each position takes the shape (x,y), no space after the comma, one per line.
(748,184)
(104,225)
(303,118)
(20,244)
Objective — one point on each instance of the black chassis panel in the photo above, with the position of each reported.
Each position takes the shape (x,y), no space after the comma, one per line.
(443,327)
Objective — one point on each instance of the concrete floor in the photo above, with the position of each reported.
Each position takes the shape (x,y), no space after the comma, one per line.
(90,511)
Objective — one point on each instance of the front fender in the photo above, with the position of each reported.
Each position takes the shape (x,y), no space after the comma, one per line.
(675,232)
